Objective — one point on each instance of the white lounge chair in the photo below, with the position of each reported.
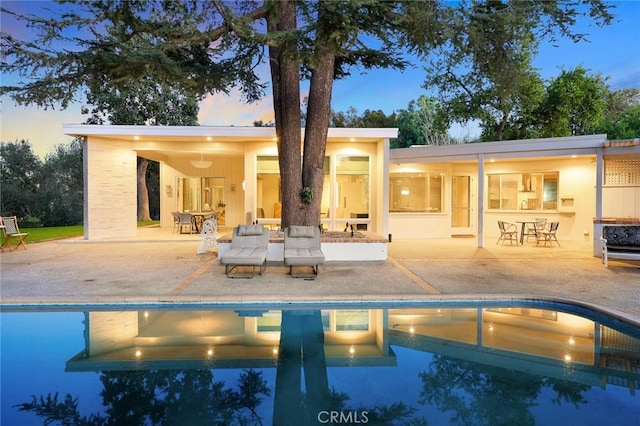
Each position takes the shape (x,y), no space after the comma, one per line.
(248,248)
(302,248)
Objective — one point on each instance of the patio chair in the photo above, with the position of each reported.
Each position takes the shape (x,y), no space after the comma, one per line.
(249,245)
(186,219)
(302,248)
(508,232)
(534,228)
(11,232)
(549,235)
(176,221)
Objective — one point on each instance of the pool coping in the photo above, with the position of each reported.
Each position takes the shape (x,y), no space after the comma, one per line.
(182,302)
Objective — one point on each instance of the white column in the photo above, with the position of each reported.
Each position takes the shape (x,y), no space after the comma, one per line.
(480,200)
(597,226)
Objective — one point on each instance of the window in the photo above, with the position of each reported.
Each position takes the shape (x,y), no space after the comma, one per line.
(352,190)
(523,191)
(325,208)
(200,193)
(268,188)
(416,192)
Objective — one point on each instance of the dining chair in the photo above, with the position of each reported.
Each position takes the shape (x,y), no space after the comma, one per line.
(535,227)
(186,219)
(176,221)
(508,232)
(549,235)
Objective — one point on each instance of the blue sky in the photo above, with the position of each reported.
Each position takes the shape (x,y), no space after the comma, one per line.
(613,51)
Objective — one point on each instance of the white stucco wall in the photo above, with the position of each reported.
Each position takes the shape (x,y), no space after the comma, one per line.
(110,189)
(576,180)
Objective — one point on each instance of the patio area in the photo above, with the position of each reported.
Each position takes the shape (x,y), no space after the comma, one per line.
(418,248)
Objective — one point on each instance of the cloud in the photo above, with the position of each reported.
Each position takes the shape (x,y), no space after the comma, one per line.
(228,110)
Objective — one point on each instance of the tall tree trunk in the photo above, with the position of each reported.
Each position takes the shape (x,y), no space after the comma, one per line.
(315,138)
(285,77)
(143,193)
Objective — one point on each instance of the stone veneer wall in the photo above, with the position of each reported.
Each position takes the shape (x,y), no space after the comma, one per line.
(109,189)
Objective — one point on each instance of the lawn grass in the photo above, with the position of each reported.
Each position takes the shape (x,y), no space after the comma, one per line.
(54,233)
(59,232)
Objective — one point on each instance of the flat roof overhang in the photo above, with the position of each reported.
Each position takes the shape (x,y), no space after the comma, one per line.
(504,150)
(161,142)
(217,133)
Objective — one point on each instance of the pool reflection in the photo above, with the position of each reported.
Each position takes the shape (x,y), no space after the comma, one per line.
(479,365)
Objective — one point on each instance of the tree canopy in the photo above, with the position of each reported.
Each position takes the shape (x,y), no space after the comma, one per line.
(208,47)
(142,102)
(31,189)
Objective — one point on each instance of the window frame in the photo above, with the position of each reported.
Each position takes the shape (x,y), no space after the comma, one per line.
(428,194)
(531,191)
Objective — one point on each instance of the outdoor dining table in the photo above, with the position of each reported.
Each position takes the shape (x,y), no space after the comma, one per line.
(199,218)
(523,224)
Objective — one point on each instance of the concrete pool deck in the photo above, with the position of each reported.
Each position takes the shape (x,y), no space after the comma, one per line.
(158,266)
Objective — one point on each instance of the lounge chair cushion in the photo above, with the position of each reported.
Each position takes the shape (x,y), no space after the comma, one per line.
(244,256)
(297,231)
(247,249)
(303,256)
(249,230)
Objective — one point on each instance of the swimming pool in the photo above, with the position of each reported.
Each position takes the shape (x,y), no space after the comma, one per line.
(421,363)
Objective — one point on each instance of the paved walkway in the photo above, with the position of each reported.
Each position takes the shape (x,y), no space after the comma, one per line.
(161,267)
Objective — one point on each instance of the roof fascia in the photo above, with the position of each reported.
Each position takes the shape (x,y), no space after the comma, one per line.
(574,145)
(214,131)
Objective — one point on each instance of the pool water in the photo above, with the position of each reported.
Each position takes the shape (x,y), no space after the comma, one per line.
(453,363)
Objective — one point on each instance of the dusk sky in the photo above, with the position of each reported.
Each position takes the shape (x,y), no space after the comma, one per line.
(613,51)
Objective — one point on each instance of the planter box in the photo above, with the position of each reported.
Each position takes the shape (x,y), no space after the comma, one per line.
(336,246)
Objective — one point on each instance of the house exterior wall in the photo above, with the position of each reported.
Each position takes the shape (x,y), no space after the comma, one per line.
(110,189)
(423,225)
(576,181)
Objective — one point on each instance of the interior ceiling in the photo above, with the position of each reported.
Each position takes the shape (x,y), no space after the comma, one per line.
(160,147)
